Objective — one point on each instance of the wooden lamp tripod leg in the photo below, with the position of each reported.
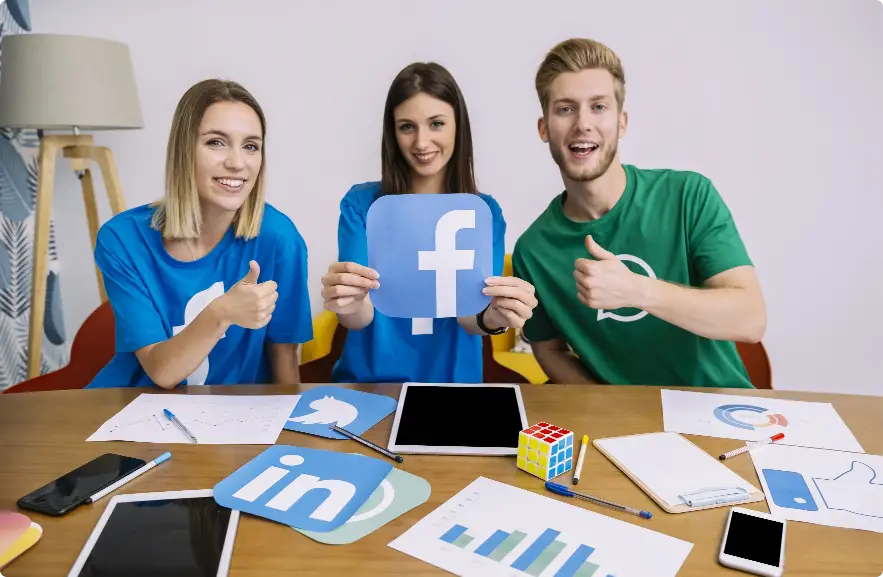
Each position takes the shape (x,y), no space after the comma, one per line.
(79,148)
(49,147)
(92,219)
(104,157)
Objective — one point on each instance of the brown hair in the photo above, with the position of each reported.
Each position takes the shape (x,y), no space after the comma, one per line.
(574,55)
(178,214)
(432,79)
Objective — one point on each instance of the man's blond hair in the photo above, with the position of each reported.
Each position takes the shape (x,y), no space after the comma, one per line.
(178,214)
(574,55)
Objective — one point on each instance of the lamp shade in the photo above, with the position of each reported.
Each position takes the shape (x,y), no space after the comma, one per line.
(58,82)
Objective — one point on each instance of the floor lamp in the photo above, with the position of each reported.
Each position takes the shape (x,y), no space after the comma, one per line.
(71,85)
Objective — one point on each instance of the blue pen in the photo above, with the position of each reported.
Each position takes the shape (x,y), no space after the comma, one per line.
(136,473)
(562,490)
(175,420)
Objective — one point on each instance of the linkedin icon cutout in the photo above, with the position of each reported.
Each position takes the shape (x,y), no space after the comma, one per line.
(433,253)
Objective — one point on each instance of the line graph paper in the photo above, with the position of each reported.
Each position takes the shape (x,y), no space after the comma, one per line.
(213,419)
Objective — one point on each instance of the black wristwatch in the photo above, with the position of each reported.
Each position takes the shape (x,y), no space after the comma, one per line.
(479,320)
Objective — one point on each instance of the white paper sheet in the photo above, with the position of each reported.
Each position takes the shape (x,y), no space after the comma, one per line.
(506,531)
(747,418)
(834,488)
(213,419)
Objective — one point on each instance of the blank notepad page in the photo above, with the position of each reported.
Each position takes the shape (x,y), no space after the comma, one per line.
(670,465)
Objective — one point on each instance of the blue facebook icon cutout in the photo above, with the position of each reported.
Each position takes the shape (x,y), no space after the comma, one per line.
(304,488)
(433,253)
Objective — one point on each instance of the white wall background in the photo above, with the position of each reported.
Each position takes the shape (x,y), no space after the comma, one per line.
(778,101)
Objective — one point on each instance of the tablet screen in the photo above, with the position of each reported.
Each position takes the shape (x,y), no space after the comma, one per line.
(479,416)
(182,537)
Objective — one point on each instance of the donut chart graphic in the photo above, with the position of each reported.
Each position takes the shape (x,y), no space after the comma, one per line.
(725,414)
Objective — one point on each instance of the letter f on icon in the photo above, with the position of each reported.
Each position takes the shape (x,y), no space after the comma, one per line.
(446,260)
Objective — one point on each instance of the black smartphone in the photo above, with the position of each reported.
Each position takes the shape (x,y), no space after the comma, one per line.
(69,491)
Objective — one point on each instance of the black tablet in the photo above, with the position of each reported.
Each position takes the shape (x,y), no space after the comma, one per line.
(181,533)
(458,419)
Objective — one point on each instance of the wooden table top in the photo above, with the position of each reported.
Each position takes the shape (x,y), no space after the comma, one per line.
(42,436)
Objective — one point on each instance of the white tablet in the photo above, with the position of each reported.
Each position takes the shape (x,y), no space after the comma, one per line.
(182,533)
(458,419)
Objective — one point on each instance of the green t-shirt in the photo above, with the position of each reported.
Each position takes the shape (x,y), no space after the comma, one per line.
(669,224)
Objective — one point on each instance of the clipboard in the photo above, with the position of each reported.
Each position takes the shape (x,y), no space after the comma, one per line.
(678,475)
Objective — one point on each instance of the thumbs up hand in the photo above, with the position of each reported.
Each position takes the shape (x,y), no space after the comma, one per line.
(249,304)
(254,271)
(604,282)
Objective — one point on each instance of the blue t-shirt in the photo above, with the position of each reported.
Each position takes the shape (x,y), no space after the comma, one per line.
(387,350)
(154,296)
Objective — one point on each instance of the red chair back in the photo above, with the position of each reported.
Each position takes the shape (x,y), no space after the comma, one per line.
(757,363)
(494,372)
(92,349)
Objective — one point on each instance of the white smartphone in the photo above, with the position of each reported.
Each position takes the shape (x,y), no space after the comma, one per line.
(754,542)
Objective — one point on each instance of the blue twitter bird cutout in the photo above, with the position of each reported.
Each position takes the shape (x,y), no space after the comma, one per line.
(305,488)
(354,411)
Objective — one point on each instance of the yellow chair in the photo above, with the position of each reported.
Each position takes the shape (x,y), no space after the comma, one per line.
(524,364)
(324,326)
(319,355)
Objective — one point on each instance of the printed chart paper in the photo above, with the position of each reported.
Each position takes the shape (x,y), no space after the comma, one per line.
(213,419)
(754,418)
(493,529)
(833,488)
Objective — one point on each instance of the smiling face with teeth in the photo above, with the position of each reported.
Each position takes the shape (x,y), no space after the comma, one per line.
(229,154)
(583,123)
(426,132)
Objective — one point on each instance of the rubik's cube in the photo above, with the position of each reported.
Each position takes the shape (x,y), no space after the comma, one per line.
(545,450)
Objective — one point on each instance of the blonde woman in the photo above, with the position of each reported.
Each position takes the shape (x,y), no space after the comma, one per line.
(209,284)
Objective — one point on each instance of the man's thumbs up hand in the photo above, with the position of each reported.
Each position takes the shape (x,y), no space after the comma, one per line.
(596,251)
(604,283)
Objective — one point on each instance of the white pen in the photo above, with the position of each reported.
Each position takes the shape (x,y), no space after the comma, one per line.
(136,473)
(170,416)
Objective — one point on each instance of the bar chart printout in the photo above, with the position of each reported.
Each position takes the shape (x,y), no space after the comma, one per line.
(535,559)
(491,528)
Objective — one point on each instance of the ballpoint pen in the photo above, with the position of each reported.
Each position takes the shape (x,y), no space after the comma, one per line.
(567,492)
(136,473)
(367,443)
(175,420)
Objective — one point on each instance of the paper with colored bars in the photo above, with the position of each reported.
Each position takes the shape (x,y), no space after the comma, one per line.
(493,529)
(753,418)
(213,419)
(833,488)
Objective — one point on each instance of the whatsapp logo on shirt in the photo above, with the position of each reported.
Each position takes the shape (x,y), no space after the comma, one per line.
(602,314)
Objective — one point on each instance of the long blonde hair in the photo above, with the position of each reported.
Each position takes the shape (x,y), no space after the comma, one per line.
(178,213)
